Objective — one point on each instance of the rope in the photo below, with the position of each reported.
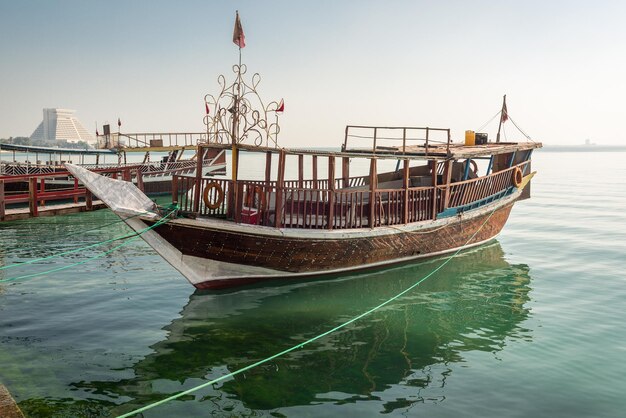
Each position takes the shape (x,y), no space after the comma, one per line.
(77,249)
(488,122)
(520,129)
(132,237)
(301,345)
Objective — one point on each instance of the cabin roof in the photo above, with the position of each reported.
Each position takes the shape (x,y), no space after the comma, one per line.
(440,152)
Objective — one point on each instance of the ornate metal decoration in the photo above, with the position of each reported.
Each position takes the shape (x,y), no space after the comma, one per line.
(238,114)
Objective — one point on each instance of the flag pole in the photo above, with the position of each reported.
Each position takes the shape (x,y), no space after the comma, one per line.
(501,117)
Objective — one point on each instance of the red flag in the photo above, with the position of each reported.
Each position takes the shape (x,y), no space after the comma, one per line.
(504,114)
(238,37)
(119,122)
(281,106)
(206,107)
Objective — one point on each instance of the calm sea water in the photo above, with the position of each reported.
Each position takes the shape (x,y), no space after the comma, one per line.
(531,324)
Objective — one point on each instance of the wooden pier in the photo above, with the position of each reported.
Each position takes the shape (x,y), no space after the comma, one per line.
(52,194)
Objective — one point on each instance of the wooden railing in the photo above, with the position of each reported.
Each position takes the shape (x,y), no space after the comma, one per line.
(61,186)
(262,203)
(468,191)
(399,137)
(150,139)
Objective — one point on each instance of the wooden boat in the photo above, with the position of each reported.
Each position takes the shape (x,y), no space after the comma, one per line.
(228,232)
(243,228)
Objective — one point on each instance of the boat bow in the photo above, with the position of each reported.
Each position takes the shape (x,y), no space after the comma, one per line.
(122,197)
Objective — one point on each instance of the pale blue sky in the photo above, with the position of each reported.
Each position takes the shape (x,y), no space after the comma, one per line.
(419,63)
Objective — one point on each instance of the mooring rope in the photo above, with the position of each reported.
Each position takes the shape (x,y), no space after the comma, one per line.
(131,237)
(301,345)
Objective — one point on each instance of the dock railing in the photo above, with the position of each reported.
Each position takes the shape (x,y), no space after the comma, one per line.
(57,187)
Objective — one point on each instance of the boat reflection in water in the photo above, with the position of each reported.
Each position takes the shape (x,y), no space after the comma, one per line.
(400,355)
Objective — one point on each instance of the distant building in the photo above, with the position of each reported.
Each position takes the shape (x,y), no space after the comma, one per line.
(61,124)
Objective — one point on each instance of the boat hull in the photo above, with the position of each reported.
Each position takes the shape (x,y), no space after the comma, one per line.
(223,256)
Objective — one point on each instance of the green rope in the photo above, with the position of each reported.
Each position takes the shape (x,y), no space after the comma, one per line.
(132,237)
(301,345)
(36,260)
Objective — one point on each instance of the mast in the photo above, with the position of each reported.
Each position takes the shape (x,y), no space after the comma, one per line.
(503,117)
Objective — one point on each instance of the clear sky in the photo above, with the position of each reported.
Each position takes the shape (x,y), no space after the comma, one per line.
(443,63)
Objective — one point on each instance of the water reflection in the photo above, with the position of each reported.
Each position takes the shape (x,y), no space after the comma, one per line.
(476,303)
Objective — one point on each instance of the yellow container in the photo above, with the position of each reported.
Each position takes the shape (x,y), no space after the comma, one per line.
(470,137)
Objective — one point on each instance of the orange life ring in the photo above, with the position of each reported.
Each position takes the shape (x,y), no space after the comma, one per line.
(219,195)
(518,177)
(256,190)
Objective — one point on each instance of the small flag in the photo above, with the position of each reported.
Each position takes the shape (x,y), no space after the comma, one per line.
(206,107)
(281,106)
(119,122)
(97,132)
(504,114)
(238,37)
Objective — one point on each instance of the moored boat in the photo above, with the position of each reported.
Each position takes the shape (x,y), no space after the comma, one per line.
(233,231)
(441,197)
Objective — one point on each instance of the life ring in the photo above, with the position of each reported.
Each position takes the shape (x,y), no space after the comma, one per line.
(518,177)
(252,192)
(474,166)
(219,195)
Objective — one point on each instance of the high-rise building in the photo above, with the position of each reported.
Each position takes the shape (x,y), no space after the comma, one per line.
(61,124)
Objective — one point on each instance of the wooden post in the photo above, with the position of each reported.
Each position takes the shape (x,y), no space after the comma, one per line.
(375,134)
(140,179)
(280,183)
(75,190)
(88,200)
(32,196)
(234,157)
(196,190)
(2,204)
(447,175)
(300,171)
(42,188)
(314,171)
(373,187)
(174,187)
(268,168)
(267,192)
(404,140)
(331,191)
(238,200)
(433,167)
(345,171)
(405,185)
